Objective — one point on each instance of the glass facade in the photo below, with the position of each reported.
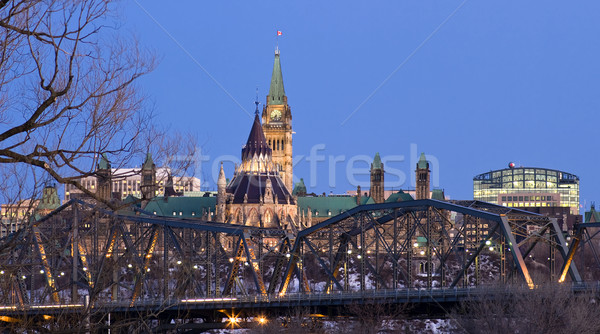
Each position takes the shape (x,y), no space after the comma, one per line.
(528,187)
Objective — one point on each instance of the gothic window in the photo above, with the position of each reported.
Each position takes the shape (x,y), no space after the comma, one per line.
(252,217)
(268,217)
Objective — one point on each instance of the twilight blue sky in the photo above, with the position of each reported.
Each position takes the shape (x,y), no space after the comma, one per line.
(495,82)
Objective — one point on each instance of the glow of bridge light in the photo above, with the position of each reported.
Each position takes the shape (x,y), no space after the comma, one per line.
(231,259)
(5,318)
(349,251)
(416,245)
(488,242)
(1,272)
(566,244)
(46,317)
(179,262)
(148,270)
(84,269)
(8,307)
(262,320)
(23,277)
(246,263)
(208,300)
(55,306)
(368,252)
(422,253)
(129,266)
(233,321)
(491,249)
(62,273)
(288,255)
(358,256)
(195,266)
(42,271)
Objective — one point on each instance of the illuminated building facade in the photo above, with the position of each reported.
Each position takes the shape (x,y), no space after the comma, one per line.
(526,187)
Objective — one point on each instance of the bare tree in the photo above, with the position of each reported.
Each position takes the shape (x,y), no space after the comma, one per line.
(550,308)
(68,88)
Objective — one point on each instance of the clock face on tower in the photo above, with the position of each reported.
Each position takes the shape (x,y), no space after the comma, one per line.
(276,115)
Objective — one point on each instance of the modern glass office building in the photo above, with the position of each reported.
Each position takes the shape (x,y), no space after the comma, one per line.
(528,187)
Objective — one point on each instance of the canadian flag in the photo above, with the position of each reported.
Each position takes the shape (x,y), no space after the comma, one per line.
(279,33)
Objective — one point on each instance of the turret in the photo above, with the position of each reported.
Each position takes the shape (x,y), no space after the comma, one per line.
(377,180)
(221,195)
(104,178)
(422,178)
(148,184)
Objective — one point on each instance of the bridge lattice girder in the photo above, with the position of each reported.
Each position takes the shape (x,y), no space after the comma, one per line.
(373,241)
(114,257)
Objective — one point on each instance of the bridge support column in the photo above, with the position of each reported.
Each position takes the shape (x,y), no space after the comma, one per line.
(75,254)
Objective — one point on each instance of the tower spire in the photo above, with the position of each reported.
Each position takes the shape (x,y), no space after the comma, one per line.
(257,103)
(276,90)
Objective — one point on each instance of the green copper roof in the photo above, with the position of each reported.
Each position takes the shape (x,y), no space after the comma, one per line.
(438,194)
(377,161)
(422,164)
(148,163)
(276,91)
(325,206)
(299,188)
(182,207)
(400,196)
(592,216)
(103,162)
(50,200)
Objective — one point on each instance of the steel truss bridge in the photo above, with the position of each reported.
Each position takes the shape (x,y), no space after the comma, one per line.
(89,261)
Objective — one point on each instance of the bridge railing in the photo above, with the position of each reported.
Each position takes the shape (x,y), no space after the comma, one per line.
(265,300)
